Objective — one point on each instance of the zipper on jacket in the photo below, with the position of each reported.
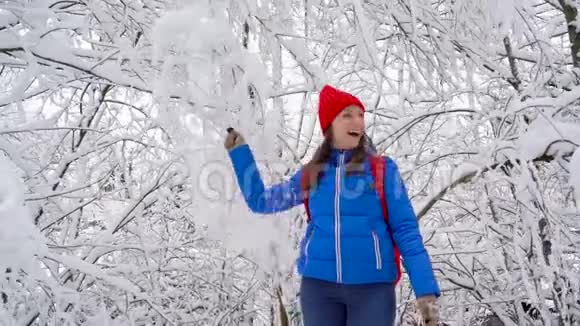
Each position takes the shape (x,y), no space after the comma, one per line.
(337,220)
(307,245)
(377,250)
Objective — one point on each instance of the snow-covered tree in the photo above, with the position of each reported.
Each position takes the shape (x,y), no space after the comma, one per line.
(118,203)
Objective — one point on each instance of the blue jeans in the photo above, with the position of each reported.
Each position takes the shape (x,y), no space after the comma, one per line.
(332,304)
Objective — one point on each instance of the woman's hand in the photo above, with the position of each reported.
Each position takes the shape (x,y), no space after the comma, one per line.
(233,139)
(429,310)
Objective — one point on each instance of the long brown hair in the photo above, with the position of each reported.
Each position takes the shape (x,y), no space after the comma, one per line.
(319,161)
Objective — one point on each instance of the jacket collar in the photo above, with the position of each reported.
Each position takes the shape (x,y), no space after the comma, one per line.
(336,154)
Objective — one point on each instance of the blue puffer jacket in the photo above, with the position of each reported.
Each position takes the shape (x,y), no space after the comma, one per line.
(347,240)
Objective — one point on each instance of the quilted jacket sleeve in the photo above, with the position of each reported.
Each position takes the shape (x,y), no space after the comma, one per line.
(407,236)
(262,200)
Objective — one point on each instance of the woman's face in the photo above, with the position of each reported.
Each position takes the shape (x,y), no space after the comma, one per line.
(348,127)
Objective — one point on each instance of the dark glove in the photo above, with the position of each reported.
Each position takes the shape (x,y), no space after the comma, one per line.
(233,139)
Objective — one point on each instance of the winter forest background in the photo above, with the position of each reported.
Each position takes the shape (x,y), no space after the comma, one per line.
(117,201)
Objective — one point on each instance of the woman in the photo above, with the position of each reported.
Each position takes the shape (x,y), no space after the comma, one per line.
(348,255)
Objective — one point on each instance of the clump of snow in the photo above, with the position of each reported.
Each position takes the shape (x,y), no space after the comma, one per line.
(20,239)
(265,239)
(548,137)
(464,169)
(7,18)
(202,57)
(203,60)
(501,14)
(103,318)
(575,175)
(193,44)
(197,28)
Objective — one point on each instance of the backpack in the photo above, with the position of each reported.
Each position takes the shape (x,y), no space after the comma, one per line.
(378,164)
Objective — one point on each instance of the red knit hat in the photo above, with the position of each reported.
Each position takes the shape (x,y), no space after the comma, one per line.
(331,102)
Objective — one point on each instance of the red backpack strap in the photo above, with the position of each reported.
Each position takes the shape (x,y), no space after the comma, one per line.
(306,194)
(378,164)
